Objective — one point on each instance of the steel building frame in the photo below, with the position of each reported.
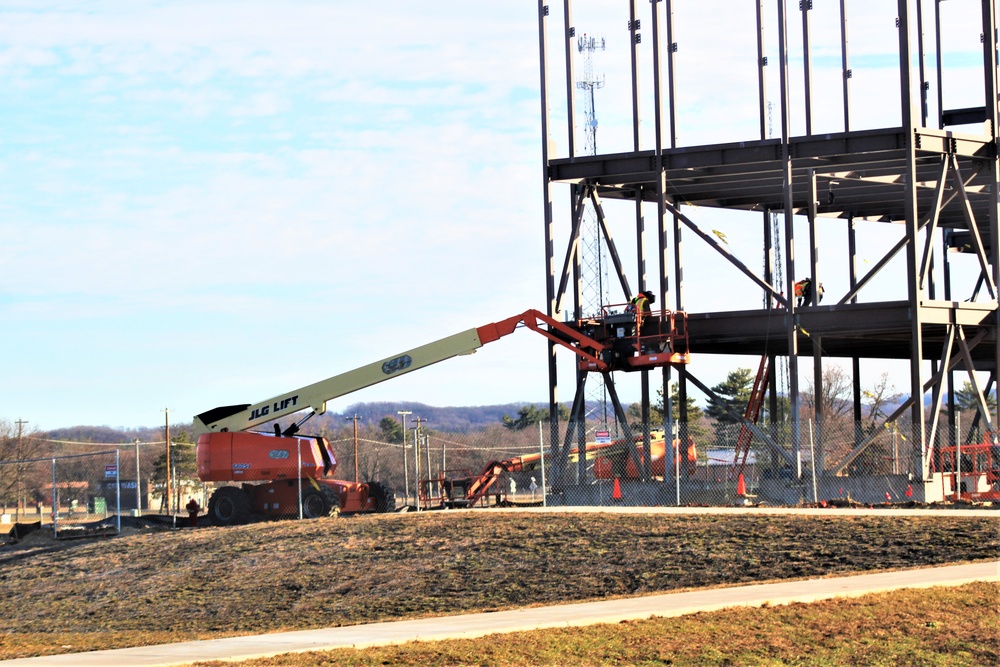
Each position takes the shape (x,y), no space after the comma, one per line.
(924,175)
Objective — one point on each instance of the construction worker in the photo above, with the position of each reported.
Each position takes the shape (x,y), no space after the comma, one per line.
(803,292)
(642,304)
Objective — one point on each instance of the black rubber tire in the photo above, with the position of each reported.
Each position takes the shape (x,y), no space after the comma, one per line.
(229,506)
(315,504)
(385,498)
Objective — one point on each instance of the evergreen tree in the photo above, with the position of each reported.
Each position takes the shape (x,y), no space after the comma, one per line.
(529,415)
(392,430)
(733,394)
(965,398)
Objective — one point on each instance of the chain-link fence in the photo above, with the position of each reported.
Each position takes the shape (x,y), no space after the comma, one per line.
(249,476)
(718,465)
(64,496)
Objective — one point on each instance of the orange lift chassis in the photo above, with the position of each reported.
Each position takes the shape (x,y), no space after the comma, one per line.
(266,465)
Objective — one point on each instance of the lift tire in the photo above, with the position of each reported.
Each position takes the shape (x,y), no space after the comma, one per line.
(229,506)
(385,498)
(315,503)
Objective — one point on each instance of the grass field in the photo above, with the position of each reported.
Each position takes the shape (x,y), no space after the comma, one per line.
(207,583)
(941,626)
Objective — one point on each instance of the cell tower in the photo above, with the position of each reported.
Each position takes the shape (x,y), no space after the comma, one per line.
(593,251)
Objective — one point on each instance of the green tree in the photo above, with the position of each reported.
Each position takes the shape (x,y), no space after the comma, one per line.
(965,398)
(529,415)
(183,459)
(733,394)
(392,430)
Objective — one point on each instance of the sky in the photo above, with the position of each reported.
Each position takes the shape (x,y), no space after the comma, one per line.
(214,202)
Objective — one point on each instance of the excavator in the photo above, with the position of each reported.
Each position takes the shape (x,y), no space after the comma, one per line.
(272,474)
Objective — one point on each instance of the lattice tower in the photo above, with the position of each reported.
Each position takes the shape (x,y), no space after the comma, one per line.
(593,250)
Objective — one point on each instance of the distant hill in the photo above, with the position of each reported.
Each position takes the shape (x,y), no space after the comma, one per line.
(440,419)
(455,419)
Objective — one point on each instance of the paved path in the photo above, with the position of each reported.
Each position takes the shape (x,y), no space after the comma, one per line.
(519,620)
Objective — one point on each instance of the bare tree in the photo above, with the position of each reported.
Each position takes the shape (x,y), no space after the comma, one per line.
(16,444)
(878,398)
(835,396)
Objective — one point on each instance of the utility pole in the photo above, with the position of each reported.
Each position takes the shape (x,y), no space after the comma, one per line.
(406,473)
(416,468)
(166,491)
(20,468)
(355,419)
(426,444)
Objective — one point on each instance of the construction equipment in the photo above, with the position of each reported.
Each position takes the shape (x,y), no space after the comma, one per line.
(751,415)
(972,472)
(267,466)
(461,488)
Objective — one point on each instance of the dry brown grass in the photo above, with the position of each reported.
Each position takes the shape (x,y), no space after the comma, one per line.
(957,627)
(214,582)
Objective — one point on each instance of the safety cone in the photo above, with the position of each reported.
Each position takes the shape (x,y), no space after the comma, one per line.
(616,491)
(741,486)
(909,490)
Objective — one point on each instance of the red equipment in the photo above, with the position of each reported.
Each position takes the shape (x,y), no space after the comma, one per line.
(267,466)
(972,472)
(460,488)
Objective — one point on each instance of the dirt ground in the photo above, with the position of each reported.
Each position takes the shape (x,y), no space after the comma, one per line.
(153,587)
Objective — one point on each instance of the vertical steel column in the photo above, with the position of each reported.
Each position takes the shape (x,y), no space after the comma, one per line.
(852,276)
(577,199)
(817,341)
(937,56)
(549,237)
(845,65)
(761,79)
(993,117)
(919,432)
(805,6)
(634,39)
(920,66)
(786,157)
(678,230)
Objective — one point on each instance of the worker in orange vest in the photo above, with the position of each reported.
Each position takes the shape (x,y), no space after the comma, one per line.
(803,292)
(641,304)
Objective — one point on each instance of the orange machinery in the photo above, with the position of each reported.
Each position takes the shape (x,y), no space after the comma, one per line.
(267,466)
(461,488)
(972,472)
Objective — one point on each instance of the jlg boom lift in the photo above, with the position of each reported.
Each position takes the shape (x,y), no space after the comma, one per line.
(267,465)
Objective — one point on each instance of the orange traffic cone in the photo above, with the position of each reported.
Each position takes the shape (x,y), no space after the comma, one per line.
(616,491)
(741,486)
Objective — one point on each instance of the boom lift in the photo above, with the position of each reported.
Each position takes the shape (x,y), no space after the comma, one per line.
(267,465)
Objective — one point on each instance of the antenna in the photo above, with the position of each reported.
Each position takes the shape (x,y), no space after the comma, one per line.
(587,45)
(593,251)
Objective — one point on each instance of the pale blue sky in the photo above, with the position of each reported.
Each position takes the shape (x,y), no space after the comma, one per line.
(212,202)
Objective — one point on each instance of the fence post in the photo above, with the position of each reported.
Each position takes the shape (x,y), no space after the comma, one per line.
(677,459)
(812,454)
(118,491)
(298,451)
(541,452)
(55,500)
